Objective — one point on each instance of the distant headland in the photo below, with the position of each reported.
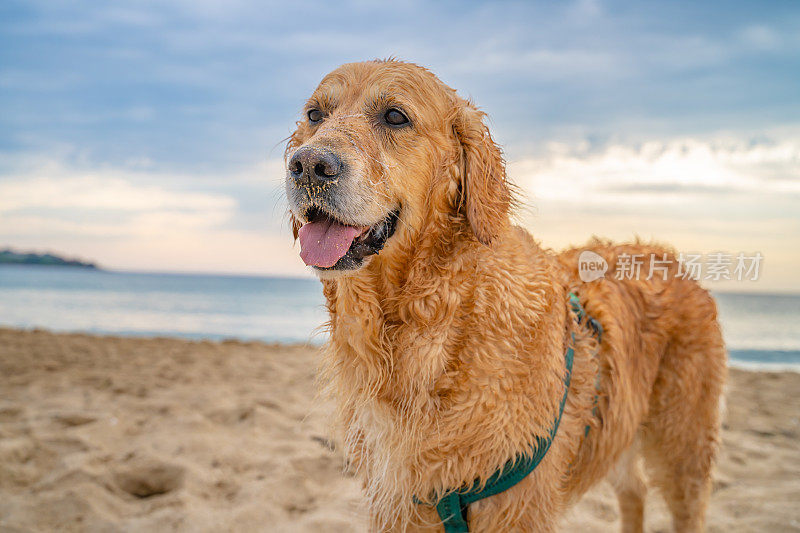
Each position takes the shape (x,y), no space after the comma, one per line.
(11,257)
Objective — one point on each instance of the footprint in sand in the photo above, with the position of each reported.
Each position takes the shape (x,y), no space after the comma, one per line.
(68,419)
(144,478)
(11,414)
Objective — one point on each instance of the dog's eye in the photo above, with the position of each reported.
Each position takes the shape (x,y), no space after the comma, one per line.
(395,117)
(314,115)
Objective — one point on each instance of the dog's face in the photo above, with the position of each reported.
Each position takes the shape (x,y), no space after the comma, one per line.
(385,150)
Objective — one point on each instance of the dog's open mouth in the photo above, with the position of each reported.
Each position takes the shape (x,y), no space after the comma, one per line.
(328,244)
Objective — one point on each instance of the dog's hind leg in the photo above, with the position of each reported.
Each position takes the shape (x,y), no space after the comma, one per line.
(681,433)
(628,481)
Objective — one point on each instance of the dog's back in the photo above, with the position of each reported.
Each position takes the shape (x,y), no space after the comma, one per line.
(661,370)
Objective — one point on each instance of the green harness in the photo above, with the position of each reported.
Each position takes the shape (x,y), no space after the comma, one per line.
(452,507)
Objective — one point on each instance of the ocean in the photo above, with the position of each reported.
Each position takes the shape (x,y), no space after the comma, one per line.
(761,330)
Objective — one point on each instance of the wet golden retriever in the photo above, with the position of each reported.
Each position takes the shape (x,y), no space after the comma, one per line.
(449,325)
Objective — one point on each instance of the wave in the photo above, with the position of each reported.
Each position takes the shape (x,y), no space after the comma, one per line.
(765,360)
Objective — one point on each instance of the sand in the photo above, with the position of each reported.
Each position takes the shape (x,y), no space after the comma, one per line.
(117,434)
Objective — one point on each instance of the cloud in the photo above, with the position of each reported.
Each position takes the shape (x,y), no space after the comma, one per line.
(761,37)
(661,171)
(99,193)
(56,200)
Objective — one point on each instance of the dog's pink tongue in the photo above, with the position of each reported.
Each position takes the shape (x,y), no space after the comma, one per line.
(324,241)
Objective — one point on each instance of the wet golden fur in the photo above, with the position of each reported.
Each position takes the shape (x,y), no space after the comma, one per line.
(446,352)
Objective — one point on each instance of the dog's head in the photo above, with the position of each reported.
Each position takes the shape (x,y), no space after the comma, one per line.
(385,155)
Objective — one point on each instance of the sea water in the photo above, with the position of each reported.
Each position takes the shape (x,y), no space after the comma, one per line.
(761,330)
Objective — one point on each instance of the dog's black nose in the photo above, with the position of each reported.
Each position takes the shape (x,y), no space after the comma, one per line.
(313,166)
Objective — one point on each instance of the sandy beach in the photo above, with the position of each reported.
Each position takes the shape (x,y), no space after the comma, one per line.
(120,434)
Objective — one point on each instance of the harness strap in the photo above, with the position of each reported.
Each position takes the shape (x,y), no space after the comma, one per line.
(579,311)
(597,330)
(452,507)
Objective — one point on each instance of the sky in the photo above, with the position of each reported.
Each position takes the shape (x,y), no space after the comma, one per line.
(149,135)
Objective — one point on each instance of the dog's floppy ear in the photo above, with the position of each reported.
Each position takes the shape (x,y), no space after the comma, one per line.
(486,196)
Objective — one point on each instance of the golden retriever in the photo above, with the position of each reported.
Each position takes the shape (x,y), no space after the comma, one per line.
(449,325)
